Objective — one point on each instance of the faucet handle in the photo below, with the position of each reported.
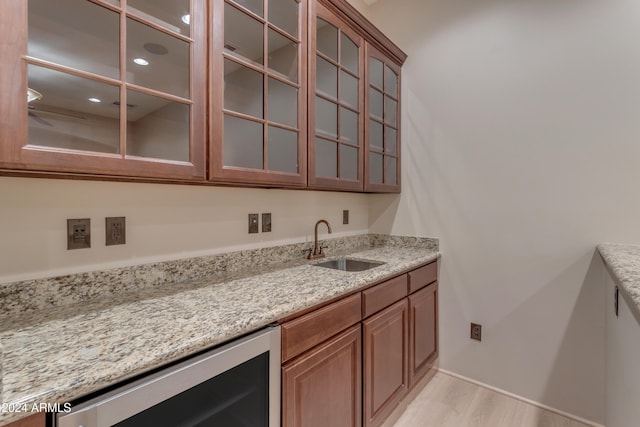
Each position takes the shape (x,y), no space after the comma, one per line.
(322,246)
(308,252)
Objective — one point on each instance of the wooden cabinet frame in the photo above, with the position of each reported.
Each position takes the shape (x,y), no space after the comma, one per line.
(373,52)
(217,170)
(317,10)
(15,151)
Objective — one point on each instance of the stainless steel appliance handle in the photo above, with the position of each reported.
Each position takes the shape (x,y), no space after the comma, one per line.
(140,395)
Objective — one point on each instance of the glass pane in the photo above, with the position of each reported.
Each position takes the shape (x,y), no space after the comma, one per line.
(349,54)
(172,14)
(283,56)
(89,44)
(348,90)
(243,145)
(326,118)
(113,2)
(235,398)
(348,162)
(391,83)
(391,111)
(375,72)
(375,168)
(391,137)
(255,6)
(326,158)
(327,39)
(284,15)
(326,78)
(243,89)
(165,70)
(348,126)
(375,103)
(283,150)
(156,127)
(391,170)
(375,135)
(243,35)
(74,112)
(283,103)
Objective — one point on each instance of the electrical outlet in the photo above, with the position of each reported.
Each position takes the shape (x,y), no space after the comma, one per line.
(253,223)
(345,216)
(266,222)
(476,332)
(115,231)
(78,233)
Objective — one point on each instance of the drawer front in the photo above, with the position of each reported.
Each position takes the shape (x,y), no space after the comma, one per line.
(383,295)
(313,328)
(423,276)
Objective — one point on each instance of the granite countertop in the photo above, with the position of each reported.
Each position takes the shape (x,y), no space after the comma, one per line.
(59,353)
(623,260)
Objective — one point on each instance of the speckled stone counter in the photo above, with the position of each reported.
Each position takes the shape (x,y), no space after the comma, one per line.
(60,345)
(623,261)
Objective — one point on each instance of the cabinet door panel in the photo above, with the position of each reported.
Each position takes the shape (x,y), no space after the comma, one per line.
(385,362)
(336,78)
(323,386)
(423,331)
(382,110)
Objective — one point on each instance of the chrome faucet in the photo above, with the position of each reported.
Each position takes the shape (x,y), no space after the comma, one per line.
(317,251)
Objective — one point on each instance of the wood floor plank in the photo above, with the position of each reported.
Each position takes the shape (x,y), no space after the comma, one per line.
(447,401)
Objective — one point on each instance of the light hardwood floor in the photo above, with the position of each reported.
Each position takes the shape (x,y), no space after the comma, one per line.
(447,401)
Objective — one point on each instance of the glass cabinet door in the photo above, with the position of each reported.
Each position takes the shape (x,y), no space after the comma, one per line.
(383,123)
(335,104)
(258,128)
(109,86)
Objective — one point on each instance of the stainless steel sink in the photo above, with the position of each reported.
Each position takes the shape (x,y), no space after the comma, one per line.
(348,264)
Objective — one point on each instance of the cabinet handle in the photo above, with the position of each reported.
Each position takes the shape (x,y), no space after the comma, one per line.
(615,301)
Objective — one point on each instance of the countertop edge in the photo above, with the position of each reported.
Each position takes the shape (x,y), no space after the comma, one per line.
(617,261)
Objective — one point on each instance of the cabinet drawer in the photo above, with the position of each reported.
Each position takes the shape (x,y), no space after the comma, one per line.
(313,328)
(422,276)
(383,295)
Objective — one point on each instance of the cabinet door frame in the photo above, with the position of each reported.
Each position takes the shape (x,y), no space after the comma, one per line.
(374,414)
(218,172)
(17,153)
(317,10)
(372,187)
(418,368)
(350,341)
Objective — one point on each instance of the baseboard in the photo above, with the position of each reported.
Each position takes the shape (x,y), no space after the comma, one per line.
(523,399)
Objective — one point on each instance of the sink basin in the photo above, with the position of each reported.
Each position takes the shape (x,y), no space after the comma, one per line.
(348,264)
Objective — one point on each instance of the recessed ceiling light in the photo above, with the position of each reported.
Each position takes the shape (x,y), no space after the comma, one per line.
(141,61)
(96,100)
(186,19)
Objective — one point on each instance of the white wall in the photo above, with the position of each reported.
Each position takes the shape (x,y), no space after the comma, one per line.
(521,152)
(163,222)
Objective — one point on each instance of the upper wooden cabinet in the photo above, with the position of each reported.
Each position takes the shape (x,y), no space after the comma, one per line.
(336,102)
(104,88)
(287,93)
(382,161)
(258,74)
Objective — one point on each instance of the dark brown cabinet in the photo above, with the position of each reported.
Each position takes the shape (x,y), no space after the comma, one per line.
(382,130)
(385,351)
(323,386)
(103,88)
(362,354)
(35,420)
(336,102)
(258,78)
(423,331)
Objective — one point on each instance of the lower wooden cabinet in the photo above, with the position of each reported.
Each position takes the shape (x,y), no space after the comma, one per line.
(385,344)
(322,387)
(423,331)
(35,420)
(342,371)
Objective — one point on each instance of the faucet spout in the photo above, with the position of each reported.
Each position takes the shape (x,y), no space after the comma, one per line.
(317,251)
